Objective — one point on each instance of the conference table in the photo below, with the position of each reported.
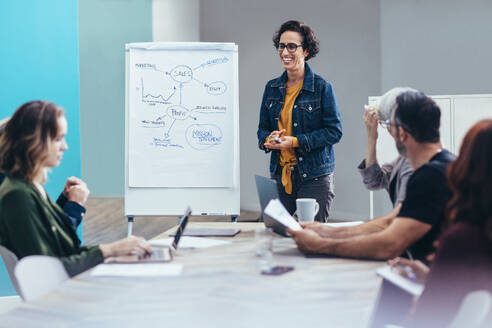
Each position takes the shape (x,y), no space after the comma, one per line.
(218,287)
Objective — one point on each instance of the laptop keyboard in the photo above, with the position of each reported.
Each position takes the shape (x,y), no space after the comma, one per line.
(158,254)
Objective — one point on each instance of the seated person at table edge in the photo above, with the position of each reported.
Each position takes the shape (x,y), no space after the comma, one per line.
(415,127)
(391,176)
(30,223)
(464,256)
(73,197)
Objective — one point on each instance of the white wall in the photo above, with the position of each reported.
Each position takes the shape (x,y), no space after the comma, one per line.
(350,58)
(176,20)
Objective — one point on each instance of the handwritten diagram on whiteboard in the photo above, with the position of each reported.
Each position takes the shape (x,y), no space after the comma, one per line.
(180,117)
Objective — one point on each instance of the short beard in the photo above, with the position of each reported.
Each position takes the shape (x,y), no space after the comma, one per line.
(402,150)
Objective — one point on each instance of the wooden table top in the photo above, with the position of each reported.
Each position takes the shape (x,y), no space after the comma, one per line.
(219,287)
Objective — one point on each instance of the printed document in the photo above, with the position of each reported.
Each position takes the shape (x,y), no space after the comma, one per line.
(277,211)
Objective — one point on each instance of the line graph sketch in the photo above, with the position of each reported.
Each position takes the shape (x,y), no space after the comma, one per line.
(181,110)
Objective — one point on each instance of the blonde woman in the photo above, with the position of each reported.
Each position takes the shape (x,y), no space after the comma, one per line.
(30,222)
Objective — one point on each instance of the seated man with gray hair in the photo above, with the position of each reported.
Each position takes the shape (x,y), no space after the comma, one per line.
(391,176)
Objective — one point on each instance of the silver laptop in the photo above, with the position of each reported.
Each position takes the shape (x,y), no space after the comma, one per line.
(267,190)
(159,254)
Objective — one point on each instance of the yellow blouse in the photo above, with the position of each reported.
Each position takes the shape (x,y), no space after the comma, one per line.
(288,156)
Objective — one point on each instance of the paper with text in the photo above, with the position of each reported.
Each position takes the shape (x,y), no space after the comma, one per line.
(277,211)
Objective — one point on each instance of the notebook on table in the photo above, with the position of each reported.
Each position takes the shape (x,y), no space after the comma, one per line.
(412,287)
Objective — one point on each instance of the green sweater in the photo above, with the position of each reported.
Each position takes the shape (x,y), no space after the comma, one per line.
(33,225)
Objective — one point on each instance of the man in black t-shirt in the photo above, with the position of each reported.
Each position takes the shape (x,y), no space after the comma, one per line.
(416,223)
(427,195)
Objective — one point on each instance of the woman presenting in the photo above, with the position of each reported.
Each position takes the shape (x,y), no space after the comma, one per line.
(300,122)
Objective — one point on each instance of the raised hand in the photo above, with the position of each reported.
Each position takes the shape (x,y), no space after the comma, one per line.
(371,121)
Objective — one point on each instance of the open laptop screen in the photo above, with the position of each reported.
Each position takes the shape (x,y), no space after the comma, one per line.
(267,190)
(183,221)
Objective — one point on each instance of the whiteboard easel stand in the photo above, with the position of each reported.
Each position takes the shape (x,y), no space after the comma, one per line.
(148,201)
(130,225)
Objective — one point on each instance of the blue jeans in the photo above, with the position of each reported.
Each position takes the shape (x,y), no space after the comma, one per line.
(321,188)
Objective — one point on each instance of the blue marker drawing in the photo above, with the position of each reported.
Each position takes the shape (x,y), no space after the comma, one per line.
(212,62)
(203,136)
(198,136)
(203,83)
(154,98)
(199,66)
(165,143)
(169,130)
(216,88)
(182,74)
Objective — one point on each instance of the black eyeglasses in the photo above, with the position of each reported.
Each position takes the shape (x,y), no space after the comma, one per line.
(387,123)
(291,47)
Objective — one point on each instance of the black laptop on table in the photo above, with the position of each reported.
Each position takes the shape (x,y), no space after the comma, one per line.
(268,190)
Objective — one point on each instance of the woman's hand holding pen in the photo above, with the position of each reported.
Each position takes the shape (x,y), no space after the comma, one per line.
(278,140)
(411,269)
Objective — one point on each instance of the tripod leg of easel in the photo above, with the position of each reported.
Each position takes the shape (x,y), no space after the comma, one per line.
(130,225)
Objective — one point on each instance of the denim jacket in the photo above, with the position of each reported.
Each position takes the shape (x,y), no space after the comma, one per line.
(316,123)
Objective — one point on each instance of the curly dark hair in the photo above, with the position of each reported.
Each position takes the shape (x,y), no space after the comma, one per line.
(309,41)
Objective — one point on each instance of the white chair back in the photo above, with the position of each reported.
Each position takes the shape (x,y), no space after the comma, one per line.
(39,274)
(10,260)
(474,310)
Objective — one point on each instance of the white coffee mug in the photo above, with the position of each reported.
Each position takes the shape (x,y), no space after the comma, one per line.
(306,209)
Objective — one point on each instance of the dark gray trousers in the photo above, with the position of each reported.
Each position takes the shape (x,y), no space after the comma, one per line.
(321,188)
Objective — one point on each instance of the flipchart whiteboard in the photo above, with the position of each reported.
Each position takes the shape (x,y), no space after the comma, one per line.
(182,128)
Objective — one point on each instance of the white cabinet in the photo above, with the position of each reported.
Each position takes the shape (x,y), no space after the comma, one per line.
(458,114)
(467,111)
